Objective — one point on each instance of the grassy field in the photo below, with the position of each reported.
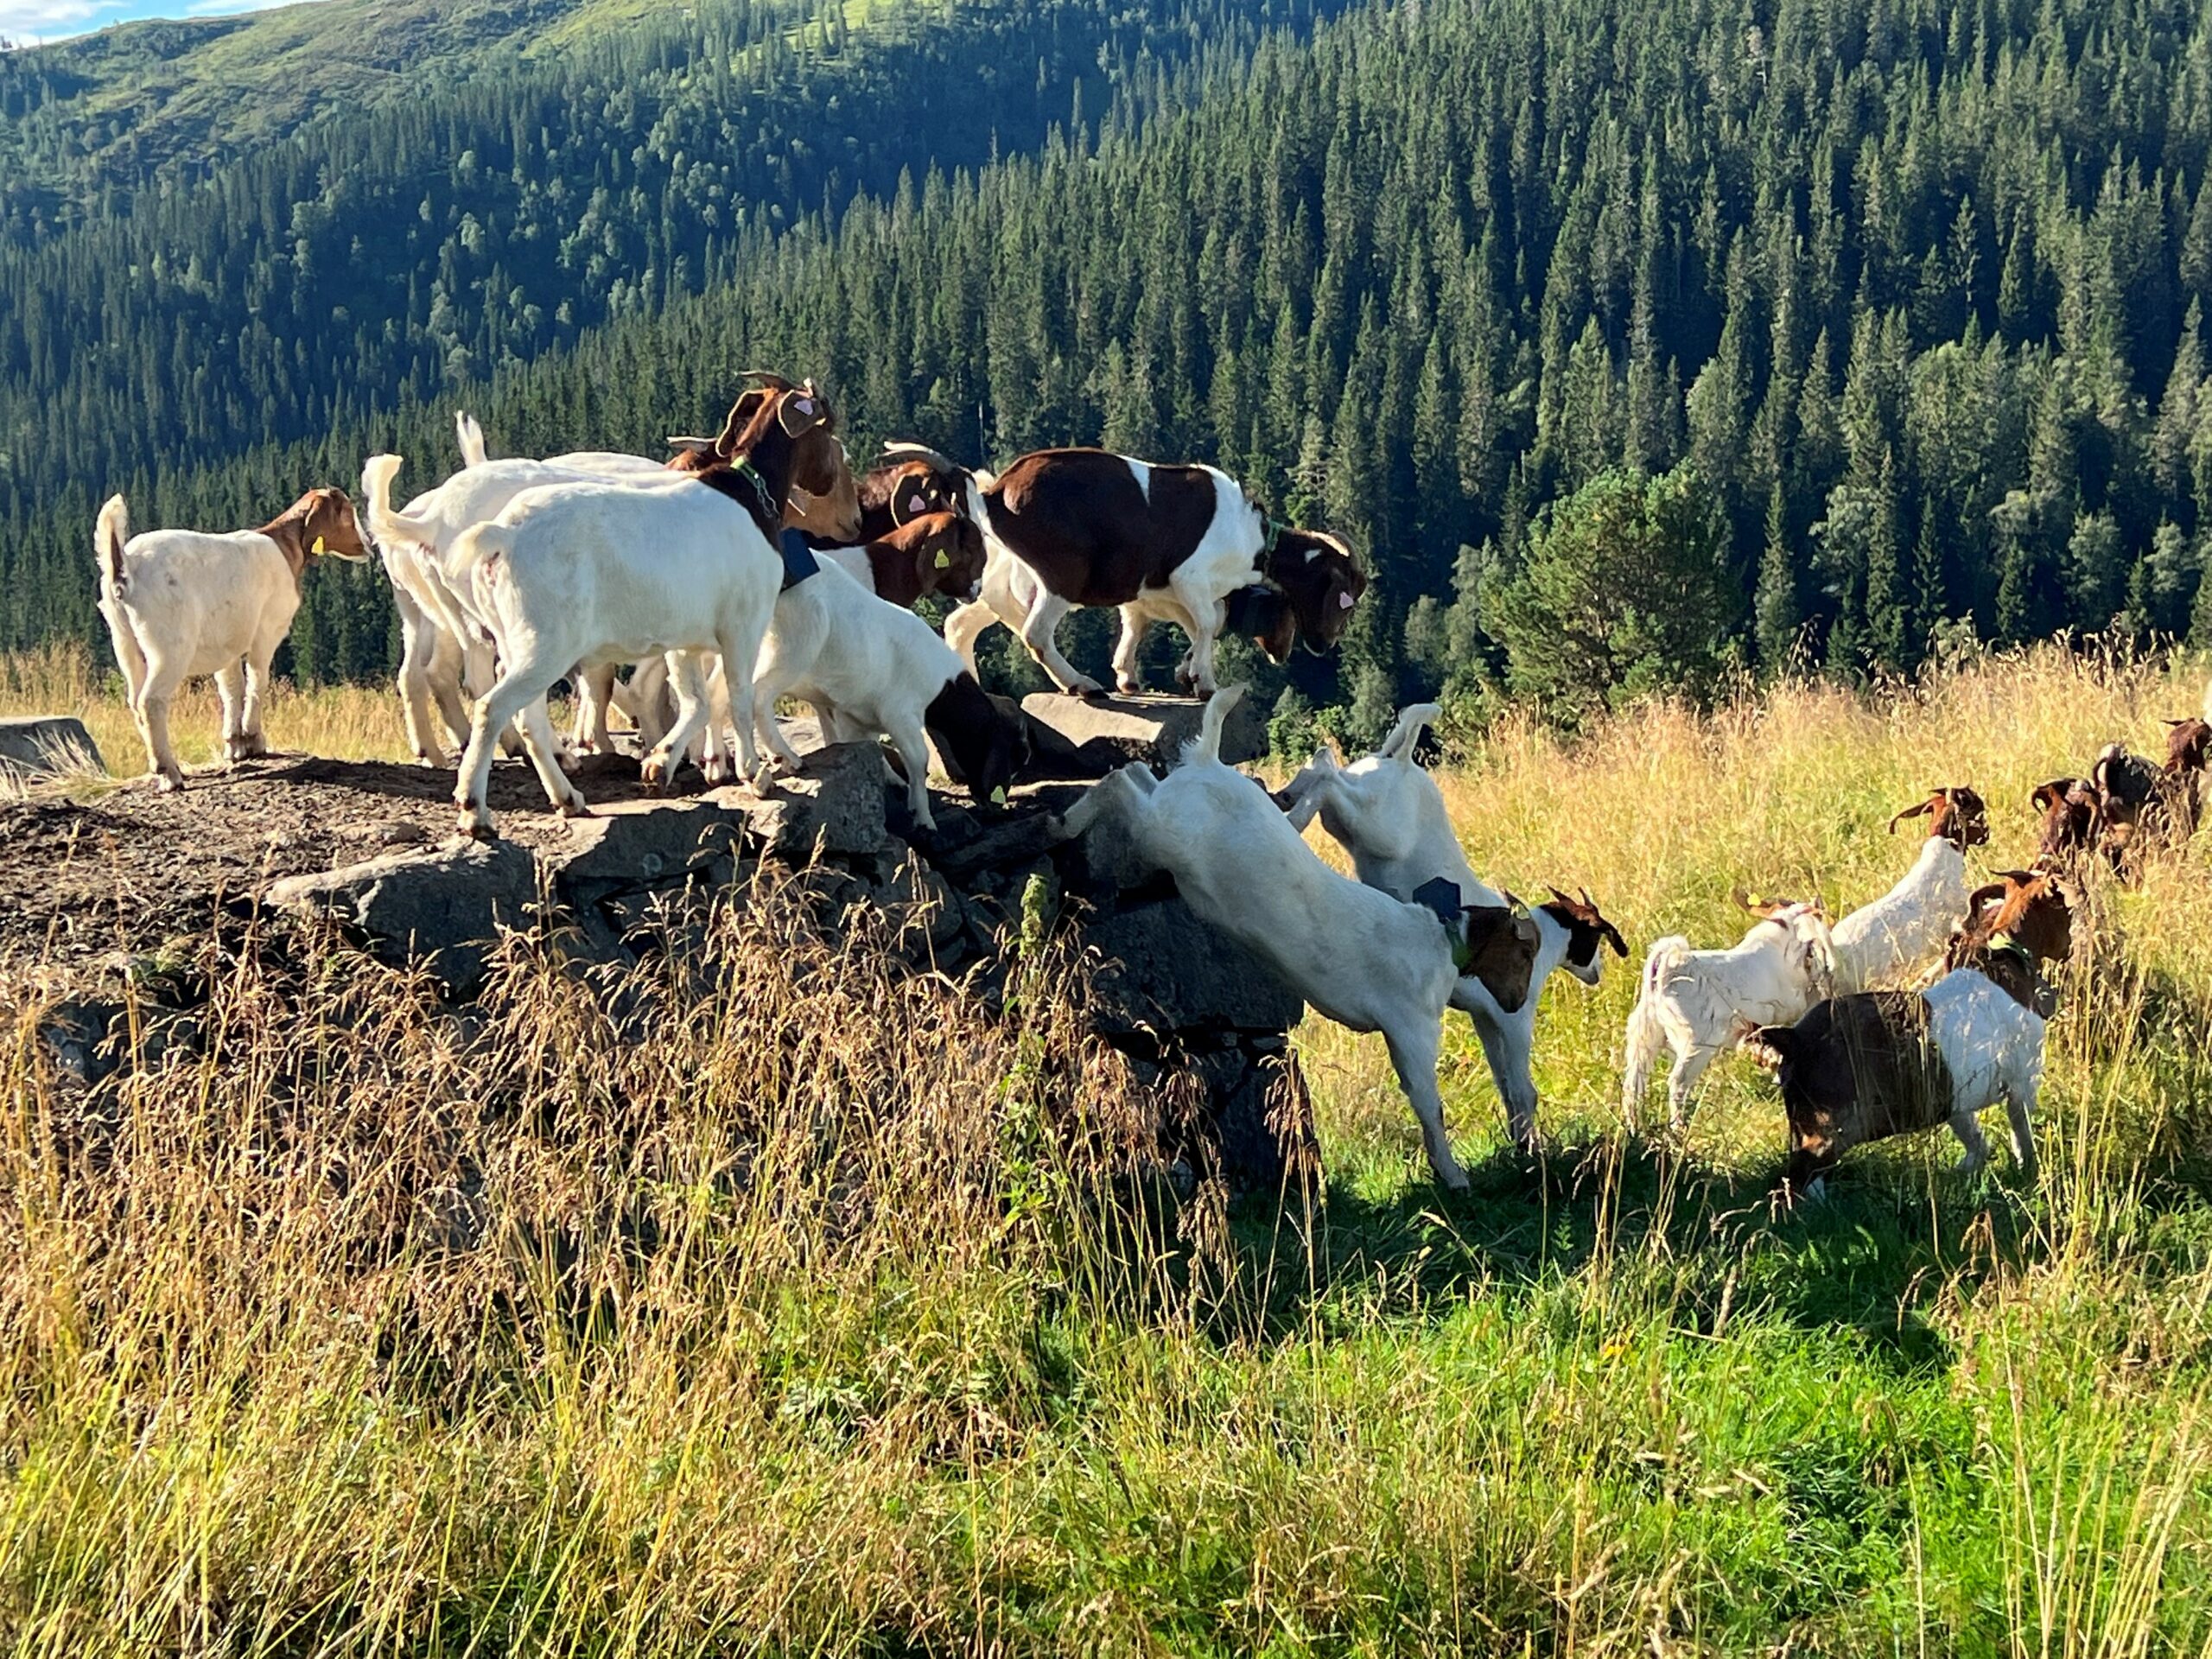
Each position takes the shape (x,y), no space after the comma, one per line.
(826,1323)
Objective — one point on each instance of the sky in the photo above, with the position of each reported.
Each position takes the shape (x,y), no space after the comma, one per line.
(54,20)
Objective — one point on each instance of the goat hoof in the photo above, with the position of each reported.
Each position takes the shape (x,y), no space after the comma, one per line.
(168,783)
(477,826)
(1129,688)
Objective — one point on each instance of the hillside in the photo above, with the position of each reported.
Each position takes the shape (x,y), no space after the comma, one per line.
(815,1326)
(130,106)
(1843,333)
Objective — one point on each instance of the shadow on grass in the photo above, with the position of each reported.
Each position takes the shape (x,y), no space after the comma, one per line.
(1705,1245)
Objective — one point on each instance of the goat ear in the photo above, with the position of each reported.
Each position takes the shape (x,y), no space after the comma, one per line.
(741,413)
(800,411)
(1919,810)
(2048,795)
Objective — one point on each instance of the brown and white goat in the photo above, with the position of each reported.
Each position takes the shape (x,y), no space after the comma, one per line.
(1864,1068)
(1069,528)
(181,603)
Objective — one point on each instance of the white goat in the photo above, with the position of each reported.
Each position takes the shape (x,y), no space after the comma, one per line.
(1362,958)
(445,646)
(867,666)
(618,571)
(181,603)
(1908,926)
(1699,1003)
(1387,812)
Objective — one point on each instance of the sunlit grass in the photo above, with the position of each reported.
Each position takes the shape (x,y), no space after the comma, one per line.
(793,1328)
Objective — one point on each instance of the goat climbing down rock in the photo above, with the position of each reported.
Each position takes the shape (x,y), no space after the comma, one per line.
(1866,1067)
(1360,957)
(1387,812)
(181,603)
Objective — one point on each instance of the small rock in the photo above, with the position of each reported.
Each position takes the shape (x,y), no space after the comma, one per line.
(44,745)
(443,908)
(832,805)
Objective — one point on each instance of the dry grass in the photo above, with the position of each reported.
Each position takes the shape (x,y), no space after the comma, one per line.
(801,1327)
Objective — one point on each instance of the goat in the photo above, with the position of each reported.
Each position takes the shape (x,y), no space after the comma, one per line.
(2143,806)
(1387,812)
(1866,1067)
(1911,923)
(2073,816)
(181,603)
(907,482)
(1066,528)
(1698,1003)
(936,553)
(614,571)
(1364,959)
(868,666)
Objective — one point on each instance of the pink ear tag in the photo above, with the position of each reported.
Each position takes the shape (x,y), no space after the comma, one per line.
(1344,602)
(805,405)
(915,505)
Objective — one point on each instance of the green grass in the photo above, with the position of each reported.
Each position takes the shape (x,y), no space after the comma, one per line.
(812,1327)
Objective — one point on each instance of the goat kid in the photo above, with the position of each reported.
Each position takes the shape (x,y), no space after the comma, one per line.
(181,603)
(612,571)
(1387,813)
(1360,957)
(1866,1067)
(1697,1004)
(1909,924)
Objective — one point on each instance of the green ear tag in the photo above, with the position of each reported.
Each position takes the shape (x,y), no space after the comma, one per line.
(944,561)
(998,796)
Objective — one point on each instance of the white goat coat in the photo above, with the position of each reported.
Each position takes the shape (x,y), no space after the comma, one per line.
(614,571)
(1908,926)
(195,603)
(1699,1003)
(867,666)
(1359,955)
(1993,1046)
(1387,812)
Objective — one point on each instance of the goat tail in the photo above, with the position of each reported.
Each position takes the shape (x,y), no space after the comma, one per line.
(1206,746)
(386,523)
(476,547)
(109,531)
(1645,1040)
(1663,962)
(471,438)
(1411,722)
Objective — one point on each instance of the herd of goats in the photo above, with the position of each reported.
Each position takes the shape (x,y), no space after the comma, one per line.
(755,567)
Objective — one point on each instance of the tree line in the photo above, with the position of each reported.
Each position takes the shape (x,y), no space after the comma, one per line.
(1636,342)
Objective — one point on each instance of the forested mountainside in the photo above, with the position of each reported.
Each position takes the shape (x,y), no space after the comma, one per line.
(1634,339)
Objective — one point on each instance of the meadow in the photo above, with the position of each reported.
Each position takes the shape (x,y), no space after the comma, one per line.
(841,1319)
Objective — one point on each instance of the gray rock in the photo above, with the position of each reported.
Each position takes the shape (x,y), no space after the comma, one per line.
(1103,862)
(1165,971)
(443,909)
(832,805)
(1152,730)
(625,846)
(43,745)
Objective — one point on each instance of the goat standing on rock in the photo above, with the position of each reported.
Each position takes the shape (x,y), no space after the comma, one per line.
(1387,813)
(1359,955)
(617,572)
(181,603)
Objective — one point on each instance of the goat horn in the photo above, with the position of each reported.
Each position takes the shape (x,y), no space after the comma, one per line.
(919,452)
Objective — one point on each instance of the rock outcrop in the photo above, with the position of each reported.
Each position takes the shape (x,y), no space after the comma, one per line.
(1203,1025)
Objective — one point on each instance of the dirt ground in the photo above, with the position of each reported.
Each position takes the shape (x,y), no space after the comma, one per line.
(131,867)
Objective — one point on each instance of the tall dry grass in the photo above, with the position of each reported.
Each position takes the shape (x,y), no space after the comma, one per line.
(831,1318)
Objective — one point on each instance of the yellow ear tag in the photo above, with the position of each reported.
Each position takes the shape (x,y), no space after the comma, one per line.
(318,548)
(945,561)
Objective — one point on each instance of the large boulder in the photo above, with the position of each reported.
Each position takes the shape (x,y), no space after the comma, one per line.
(42,745)
(443,909)
(1152,729)
(633,845)
(1164,971)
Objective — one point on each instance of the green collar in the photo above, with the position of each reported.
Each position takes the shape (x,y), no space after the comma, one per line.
(2005,944)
